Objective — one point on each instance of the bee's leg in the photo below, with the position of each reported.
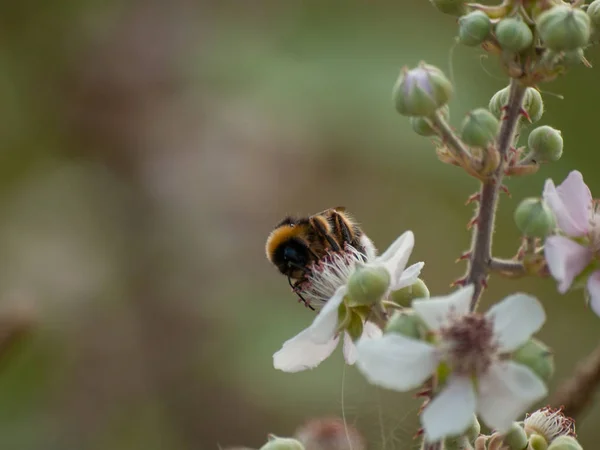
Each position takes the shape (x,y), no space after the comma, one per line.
(341,227)
(317,223)
(294,286)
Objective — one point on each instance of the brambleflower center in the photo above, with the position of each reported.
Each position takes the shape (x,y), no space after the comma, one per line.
(468,344)
(549,423)
(328,274)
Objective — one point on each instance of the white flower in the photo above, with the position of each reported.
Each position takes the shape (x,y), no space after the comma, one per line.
(549,423)
(314,344)
(473,346)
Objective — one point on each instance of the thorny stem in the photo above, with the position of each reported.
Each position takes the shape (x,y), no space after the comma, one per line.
(576,393)
(481,247)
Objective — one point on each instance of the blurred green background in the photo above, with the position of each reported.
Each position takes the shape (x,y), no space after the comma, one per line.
(148,148)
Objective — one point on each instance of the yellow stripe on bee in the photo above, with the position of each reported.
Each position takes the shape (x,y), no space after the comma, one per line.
(280,235)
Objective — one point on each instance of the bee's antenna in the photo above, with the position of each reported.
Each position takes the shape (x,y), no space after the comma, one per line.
(298,294)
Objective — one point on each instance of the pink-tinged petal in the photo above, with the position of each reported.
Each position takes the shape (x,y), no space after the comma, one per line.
(515,319)
(301,353)
(571,203)
(566,259)
(593,287)
(408,277)
(452,411)
(506,391)
(437,311)
(324,327)
(370,331)
(396,256)
(396,362)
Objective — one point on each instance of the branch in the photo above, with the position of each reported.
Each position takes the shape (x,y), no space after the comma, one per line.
(508,268)
(481,247)
(577,392)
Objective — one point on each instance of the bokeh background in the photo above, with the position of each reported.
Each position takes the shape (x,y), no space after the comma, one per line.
(147,148)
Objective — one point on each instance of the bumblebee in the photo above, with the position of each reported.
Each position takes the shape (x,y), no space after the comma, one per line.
(295,244)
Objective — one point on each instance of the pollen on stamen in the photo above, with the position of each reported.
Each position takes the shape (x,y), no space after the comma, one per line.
(328,274)
(550,423)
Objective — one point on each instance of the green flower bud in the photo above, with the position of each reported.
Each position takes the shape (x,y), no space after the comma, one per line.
(452,7)
(421,91)
(593,12)
(514,35)
(534,218)
(545,143)
(367,285)
(421,125)
(537,442)
(532,103)
(565,443)
(457,443)
(474,430)
(406,295)
(573,57)
(277,443)
(406,323)
(474,28)
(564,28)
(537,357)
(515,438)
(479,128)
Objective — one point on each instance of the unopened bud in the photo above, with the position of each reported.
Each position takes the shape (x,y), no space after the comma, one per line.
(573,57)
(422,126)
(474,28)
(367,285)
(545,144)
(534,218)
(405,296)
(593,12)
(565,443)
(479,128)
(514,35)
(421,91)
(277,443)
(564,28)
(452,7)
(406,323)
(532,103)
(537,442)
(537,357)
(515,438)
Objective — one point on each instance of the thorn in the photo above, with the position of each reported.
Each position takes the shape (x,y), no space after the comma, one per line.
(484,283)
(525,114)
(420,432)
(504,189)
(462,257)
(474,221)
(473,198)
(426,393)
(460,282)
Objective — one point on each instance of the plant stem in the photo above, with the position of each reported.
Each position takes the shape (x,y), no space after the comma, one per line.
(507,267)
(481,247)
(577,392)
(461,153)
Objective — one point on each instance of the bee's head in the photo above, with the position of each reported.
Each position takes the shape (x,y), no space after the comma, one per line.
(288,249)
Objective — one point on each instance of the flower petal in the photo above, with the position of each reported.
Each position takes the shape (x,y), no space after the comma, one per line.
(515,319)
(451,412)
(409,276)
(370,331)
(369,247)
(394,259)
(325,325)
(506,391)
(436,311)
(593,287)
(571,203)
(566,259)
(301,353)
(396,362)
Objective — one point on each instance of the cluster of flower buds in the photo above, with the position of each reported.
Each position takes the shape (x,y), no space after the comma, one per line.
(536,40)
